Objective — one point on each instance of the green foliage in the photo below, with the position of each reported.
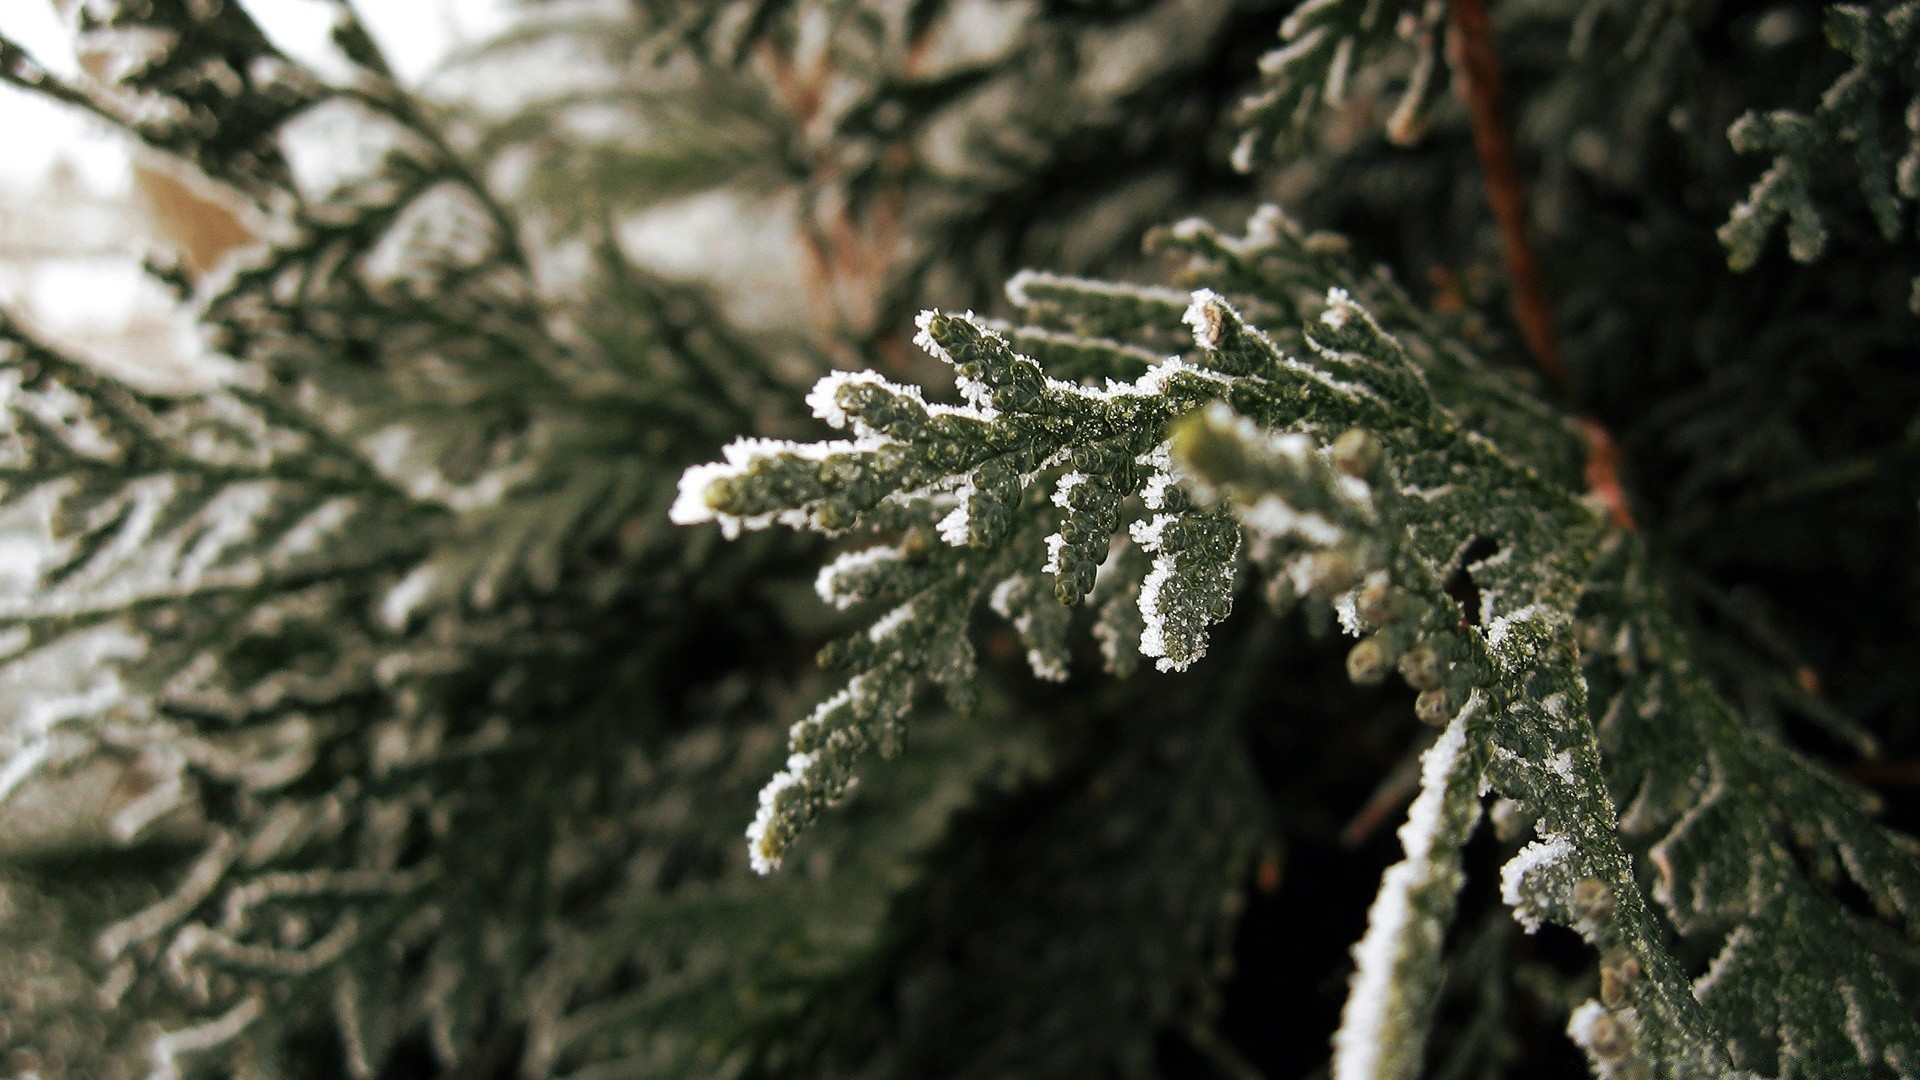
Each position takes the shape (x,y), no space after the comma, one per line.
(421,738)
(1328,43)
(368,597)
(1377,538)
(931,148)
(1880,44)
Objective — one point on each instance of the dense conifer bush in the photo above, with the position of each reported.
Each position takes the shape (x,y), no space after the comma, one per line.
(1509,428)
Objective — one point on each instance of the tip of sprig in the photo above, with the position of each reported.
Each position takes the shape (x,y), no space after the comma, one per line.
(1207,316)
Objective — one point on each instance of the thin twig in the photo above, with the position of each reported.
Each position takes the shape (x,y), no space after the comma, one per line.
(1477,70)
(1477,75)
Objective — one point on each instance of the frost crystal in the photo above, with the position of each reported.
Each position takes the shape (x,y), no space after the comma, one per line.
(1153,636)
(765,856)
(1518,878)
(1396,962)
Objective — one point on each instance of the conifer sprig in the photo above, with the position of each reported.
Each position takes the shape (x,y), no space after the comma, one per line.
(437,733)
(322,599)
(1880,42)
(1328,45)
(1031,476)
(1376,525)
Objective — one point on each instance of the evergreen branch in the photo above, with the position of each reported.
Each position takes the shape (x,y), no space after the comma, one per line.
(204,84)
(1330,43)
(970,476)
(1880,42)
(416,444)
(1375,527)
(1394,992)
(19,68)
(1383,1029)
(426,721)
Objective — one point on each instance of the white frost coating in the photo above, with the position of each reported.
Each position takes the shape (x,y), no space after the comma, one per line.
(763,860)
(1160,460)
(1019,285)
(1271,517)
(401,601)
(954,527)
(1154,494)
(1001,600)
(840,698)
(1354,490)
(1373,999)
(1056,544)
(884,627)
(1586,1027)
(1153,635)
(1414,491)
(978,395)
(1346,608)
(167,1049)
(1581,1025)
(1340,308)
(1513,877)
(1043,666)
(1436,765)
(690,506)
(1064,490)
(1151,533)
(1498,629)
(830,584)
(1353,390)
(1857,1028)
(1154,382)
(1112,641)
(824,398)
(1206,318)
(1292,444)
(1737,942)
(1242,157)
(1364,1020)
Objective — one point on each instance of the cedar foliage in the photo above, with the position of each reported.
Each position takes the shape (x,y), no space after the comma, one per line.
(432,701)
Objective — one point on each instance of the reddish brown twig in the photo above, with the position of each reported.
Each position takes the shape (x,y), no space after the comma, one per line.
(1603,472)
(1477,73)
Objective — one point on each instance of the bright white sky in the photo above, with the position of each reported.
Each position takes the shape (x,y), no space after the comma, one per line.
(415,33)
